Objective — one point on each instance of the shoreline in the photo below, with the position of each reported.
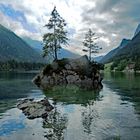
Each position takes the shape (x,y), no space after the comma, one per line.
(21,71)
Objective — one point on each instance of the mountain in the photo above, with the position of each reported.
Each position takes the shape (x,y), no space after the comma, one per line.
(137,30)
(128,58)
(124,43)
(63,53)
(12,47)
(35,44)
(132,49)
(109,57)
(98,58)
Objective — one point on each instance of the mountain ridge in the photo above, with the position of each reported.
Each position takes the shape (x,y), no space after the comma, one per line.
(137,30)
(109,56)
(37,45)
(127,48)
(14,48)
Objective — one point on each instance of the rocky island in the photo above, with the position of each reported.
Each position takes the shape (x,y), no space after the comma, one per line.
(80,72)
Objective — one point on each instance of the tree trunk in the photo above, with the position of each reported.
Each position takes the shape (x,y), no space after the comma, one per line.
(90,53)
(56,53)
(55,45)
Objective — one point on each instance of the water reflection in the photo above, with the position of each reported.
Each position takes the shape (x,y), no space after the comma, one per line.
(109,114)
(127,85)
(72,95)
(89,114)
(55,123)
(14,86)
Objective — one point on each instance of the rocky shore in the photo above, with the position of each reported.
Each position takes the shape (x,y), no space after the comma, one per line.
(80,72)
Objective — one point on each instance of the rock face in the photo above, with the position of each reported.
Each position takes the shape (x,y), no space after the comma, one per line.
(33,109)
(79,72)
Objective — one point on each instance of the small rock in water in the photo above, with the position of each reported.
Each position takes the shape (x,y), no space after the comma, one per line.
(35,109)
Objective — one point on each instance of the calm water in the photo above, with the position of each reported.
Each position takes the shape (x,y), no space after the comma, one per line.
(110,114)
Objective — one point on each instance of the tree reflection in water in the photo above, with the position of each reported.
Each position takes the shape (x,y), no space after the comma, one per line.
(55,124)
(72,95)
(89,115)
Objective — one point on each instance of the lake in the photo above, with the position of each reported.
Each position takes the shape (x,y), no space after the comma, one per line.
(112,113)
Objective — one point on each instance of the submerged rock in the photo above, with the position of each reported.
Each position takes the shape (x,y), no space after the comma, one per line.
(35,109)
(80,72)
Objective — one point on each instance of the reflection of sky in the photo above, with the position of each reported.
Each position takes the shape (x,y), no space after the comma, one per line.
(109,118)
(11,125)
(69,108)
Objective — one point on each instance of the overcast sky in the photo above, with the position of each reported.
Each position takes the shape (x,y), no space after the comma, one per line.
(112,20)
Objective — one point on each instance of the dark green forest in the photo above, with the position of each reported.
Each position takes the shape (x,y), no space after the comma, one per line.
(13,65)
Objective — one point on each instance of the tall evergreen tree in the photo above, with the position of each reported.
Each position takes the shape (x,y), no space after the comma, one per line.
(57,36)
(89,43)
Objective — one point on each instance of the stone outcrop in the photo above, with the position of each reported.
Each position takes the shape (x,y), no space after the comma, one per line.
(35,109)
(80,72)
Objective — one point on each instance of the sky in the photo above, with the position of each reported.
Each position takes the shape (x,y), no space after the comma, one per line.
(111,20)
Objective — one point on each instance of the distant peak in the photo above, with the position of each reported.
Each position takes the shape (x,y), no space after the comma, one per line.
(124,42)
(137,30)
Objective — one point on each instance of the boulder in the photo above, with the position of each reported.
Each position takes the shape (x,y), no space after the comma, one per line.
(35,109)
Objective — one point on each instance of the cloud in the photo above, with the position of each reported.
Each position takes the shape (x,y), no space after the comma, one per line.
(112,20)
(16,27)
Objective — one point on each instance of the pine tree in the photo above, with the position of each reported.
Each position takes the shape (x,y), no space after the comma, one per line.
(57,36)
(89,43)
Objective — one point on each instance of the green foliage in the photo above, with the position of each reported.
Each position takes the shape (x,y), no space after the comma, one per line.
(107,67)
(57,36)
(89,43)
(137,63)
(13,65)
(114,65)
(121,64)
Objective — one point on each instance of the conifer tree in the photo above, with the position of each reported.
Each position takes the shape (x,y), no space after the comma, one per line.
(89,43)
(57,35)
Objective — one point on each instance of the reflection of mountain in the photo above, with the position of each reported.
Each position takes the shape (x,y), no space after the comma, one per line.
(72,95)
(12,87)
(127,86)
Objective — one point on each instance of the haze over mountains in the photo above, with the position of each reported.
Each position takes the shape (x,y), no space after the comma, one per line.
(37,45)
(12,47)
(126,49)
